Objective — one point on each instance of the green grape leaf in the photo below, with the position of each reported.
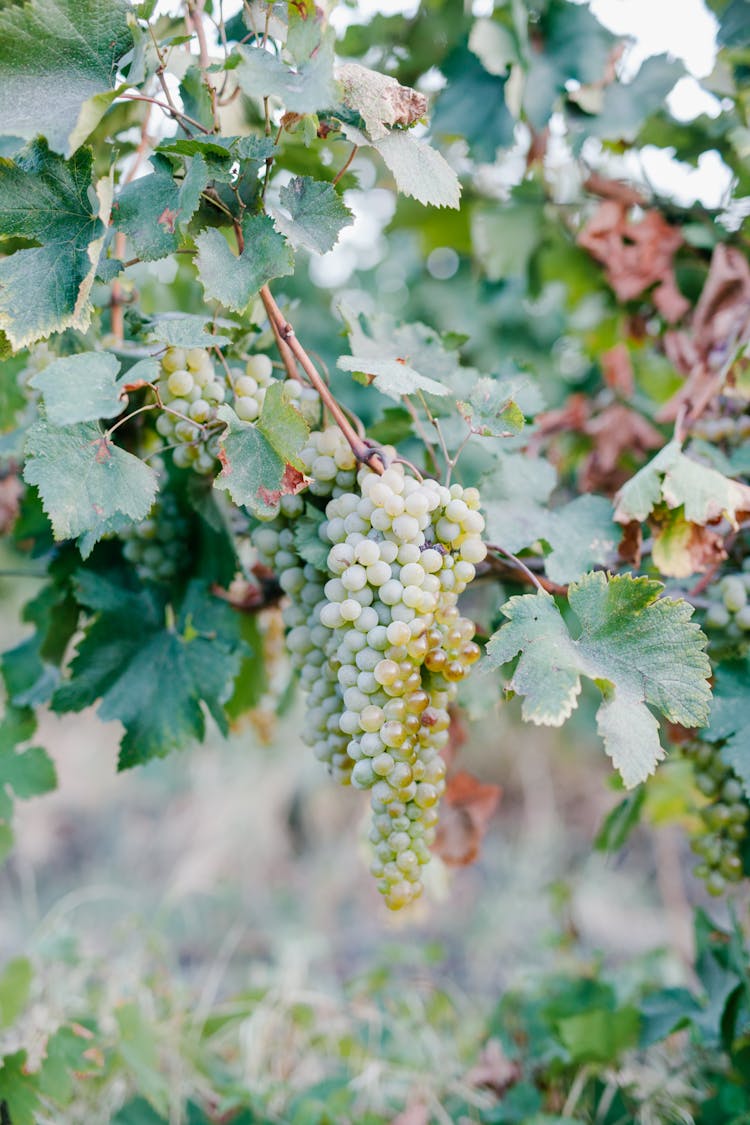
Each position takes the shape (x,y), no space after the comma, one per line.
(490,409)
(47,288)
(15,986)
(729,721)
(187,330)
(620,822)
(54,56)
(221,153)
(472,105)
(139,1050)
(305,89)
(234,279)
(19,1095)
(574,45)
(251,682)
(282,425)
(23,773)
(397,356)
(150,210)
(64,1057)
(84,479)
(419,170)
(252,472)
(515,494)
(154,668)
(674,478)
(393,377)
(81,388)
(12,398)
(196,99)
(638,648)
(625,106)
(600,1035)
(581,535)
(379,100)
(505,238)
(317,214)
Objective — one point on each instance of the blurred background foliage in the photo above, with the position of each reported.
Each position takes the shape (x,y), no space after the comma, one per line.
(200,932)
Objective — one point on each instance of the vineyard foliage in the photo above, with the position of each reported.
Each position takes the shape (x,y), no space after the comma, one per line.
(343,320)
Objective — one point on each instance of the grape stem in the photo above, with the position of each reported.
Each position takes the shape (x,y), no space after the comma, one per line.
(537,580)
(363,450)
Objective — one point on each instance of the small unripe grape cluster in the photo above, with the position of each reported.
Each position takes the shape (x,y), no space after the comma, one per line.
(157,546)
(724,820)
(729,428)
(729,610)
(250,388)
(191,390)
(377,638)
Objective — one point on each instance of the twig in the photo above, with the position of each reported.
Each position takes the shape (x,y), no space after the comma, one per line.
(421,431)
(436,425)
(362,450)
(537,580)
(168,109)
(345,167)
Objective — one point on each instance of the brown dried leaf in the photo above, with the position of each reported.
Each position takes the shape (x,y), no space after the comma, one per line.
(722,314)
(11,491)
(669,301)
(613,189)
(494,1070)
(381,101)
(635,255)
(618,370)
(682,548)
(617,430)
(629,549)
(570,417)
(465,813)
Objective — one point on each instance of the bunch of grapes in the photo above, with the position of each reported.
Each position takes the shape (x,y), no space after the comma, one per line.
(724,819)
(377,638)
(731,428)
(727,617)
(191,391)
(157,546)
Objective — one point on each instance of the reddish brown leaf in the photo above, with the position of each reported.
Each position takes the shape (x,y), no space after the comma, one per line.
(494,1070)
(629,549)
(682,548)
(669,301)
(616,431)
(635,254)
(465,814)
(618,370)
(613,189)
(11,490)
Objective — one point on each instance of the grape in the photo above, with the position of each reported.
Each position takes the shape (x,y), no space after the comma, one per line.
(377,638)
(727,616)
(158,545)
(724,819)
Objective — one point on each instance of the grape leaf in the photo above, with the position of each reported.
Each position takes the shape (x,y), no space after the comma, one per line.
(253,473)
(397,355)
(44,198)
(490,409)
(24,773)
(18,1090)
(308,88)
(730,717)
(581,534)
(54,56)
(186,330)
(419,170)
(678,480)
(516,493)
(472,105)
(379,99)
(81,388)
(282,425)
(84,479)
(151,209)
(317,214)
(393,377)
(625,106)
(637,647)
(15,986)
(152,669)
(233,279)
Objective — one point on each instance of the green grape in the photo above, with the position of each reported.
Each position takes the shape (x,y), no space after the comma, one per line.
(377,639)
(724,819)
(158,545)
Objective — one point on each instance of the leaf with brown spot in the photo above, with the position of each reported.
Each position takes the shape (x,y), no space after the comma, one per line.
(682,548)
(466,810)
(635,254)
(616,432)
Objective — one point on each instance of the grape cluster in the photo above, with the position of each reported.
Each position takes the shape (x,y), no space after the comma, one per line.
(191,391)
(157,546)
(729,428)
(728,613)
(376,635)
(724,819)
